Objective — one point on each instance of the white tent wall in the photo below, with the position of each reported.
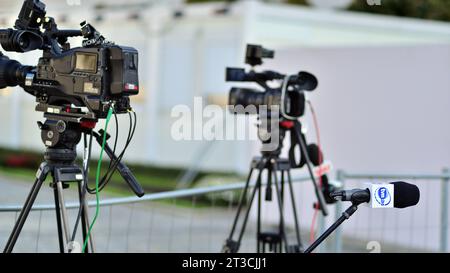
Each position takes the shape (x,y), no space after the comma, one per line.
(380,108)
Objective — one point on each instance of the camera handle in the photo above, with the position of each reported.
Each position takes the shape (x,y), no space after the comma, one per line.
(124,171)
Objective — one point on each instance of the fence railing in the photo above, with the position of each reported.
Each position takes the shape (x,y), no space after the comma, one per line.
(198,220)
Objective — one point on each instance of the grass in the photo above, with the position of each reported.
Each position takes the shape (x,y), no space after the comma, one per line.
(151,178)
(21,173)
(24,164)
(117,184)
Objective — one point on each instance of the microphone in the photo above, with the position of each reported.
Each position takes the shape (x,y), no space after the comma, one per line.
(403,194)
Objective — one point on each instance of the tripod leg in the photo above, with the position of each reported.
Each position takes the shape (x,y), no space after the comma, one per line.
(63,211)
(244,224)
(273,165)
(282,195)
(304,151)
(282,184)
(294,209)
(40,178)
(258,220)
(58,220)
(241,204)
(83,218)
(230,245)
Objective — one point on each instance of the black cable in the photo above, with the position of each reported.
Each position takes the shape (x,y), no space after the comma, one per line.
(107,177)
(110,167)
(116,138)
(119,158)
(116,162)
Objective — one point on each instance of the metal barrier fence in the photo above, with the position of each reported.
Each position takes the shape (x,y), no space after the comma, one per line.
(198,220)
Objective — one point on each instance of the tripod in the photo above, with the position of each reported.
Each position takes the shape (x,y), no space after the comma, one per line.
(273,240)
(61,136)
(274,166)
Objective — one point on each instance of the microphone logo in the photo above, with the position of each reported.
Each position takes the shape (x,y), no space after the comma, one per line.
(382,196)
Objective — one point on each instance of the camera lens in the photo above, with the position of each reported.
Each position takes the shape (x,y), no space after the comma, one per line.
(12,72)
(244,97)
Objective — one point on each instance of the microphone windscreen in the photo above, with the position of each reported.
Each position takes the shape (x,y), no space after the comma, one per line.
(405,194)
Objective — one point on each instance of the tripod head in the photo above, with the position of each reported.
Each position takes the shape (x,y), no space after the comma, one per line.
(62,134)
(61,137)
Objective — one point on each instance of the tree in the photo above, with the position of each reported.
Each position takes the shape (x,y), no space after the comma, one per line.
(424,9)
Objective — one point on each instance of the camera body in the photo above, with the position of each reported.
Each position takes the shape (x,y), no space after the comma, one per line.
(67,81)
(87,77)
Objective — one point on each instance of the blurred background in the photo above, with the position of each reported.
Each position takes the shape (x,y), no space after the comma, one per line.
(383,105)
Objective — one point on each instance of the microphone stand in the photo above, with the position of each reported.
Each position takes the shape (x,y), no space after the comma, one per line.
(345,215)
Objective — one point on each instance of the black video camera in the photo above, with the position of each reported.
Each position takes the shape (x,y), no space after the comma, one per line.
(289,96)
(67,81)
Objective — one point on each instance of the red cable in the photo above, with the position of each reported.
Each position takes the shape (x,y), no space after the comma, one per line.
(316,209)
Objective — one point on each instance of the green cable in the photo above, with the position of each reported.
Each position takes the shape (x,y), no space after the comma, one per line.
(97,178)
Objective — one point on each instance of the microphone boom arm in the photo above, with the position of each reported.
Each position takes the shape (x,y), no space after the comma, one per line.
(345,215)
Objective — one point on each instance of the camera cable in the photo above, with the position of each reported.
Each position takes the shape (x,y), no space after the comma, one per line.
(107,177)
(97,179)
(114,163)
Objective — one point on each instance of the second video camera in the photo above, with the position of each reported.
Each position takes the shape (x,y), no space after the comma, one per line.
(289,96)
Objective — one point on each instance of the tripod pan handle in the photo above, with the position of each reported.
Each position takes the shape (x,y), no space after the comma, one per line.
(128,176)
